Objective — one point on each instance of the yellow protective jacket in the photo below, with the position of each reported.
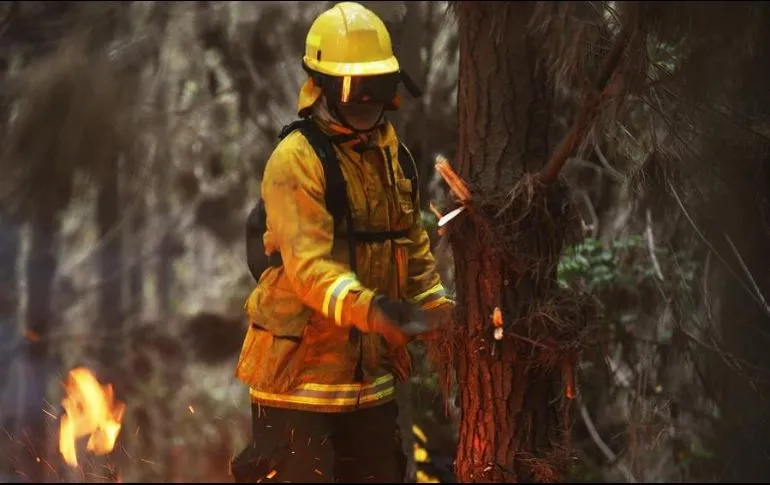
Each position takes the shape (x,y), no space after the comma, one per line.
(297,352)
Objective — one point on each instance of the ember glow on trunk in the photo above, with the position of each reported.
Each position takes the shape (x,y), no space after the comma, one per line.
(90,410)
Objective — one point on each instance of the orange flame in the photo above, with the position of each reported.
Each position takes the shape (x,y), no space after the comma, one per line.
(90,409)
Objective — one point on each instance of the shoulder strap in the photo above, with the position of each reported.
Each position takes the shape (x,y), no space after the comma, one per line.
(409,168)
(335,193)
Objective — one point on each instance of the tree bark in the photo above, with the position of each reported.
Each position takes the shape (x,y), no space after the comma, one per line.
(508,426)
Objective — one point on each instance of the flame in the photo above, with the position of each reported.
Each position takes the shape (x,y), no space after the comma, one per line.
(90,409)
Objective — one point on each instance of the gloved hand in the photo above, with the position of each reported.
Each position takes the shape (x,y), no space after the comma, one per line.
(438,320)
(397,321)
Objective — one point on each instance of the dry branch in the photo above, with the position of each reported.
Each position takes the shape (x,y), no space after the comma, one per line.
(587,112)
(459,188)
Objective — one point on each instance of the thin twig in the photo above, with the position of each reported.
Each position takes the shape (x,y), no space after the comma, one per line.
(615,174)
(748,274)
(608,453)
(587,112)
(713,249)
(651,246)
(594,227)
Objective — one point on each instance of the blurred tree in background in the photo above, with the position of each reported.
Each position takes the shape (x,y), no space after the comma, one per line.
(132,141)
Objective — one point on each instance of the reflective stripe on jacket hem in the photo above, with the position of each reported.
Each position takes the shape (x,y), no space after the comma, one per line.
(330,397)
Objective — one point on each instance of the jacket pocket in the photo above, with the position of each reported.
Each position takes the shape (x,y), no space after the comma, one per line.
(269,362)
(407,211)
(272,353)
(275,307)
(405,190)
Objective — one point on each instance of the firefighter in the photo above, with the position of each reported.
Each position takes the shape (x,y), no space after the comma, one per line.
(326,341)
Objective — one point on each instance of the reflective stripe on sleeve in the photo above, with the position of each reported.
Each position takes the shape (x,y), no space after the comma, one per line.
(430,298)
(335,296)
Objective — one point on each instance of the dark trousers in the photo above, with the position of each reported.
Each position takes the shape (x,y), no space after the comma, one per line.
(303,446)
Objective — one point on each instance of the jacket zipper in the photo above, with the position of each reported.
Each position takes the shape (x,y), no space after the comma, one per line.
(358,374)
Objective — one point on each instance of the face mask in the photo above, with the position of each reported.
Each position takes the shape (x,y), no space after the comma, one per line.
(361,116)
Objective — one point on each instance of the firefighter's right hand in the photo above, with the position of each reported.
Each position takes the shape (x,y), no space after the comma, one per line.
(397,321)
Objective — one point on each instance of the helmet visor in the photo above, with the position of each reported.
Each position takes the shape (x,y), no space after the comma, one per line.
(362,89)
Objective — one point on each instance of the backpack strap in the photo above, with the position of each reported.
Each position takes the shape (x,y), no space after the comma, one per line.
(335,192)
(336,195)
(409,168)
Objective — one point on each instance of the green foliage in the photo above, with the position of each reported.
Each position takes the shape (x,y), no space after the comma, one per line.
(594,266)
(429,221)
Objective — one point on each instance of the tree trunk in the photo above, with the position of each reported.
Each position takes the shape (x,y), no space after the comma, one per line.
(510,428)
(9,305)
(736,224)
(10,238)
(110,308)
(136,236)
(161,168)
(42,262)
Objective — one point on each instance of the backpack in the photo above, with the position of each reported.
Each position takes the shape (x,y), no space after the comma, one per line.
(335,197)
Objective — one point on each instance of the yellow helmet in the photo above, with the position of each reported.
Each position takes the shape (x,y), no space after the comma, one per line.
(349,40)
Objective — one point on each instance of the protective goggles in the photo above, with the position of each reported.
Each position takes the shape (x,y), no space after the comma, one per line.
(361,89)
(380,88)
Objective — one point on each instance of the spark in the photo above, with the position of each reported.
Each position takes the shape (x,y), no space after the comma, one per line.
(126,452)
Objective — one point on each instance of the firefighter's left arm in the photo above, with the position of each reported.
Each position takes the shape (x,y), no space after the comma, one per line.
(424,286)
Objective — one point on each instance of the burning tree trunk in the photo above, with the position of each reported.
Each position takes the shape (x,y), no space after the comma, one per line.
(517,334)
